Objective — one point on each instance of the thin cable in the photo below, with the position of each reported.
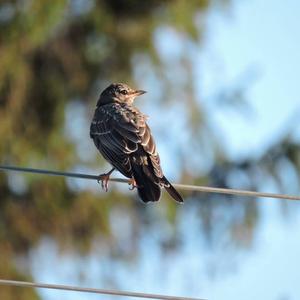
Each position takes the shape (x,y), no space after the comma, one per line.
(185,187)
(91,290)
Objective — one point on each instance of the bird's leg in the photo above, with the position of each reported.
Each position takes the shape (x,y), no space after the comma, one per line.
(104,178)
(132,183)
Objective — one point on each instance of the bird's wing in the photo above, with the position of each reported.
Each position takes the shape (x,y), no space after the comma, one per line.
(149,147)
(115,135)
(147,144)
(121,131)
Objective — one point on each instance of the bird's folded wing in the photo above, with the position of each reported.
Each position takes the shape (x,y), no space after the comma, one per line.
(119,132)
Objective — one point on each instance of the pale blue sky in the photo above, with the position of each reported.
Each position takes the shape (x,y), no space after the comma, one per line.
(263,35)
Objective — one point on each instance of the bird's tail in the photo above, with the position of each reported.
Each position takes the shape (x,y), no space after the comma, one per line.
(171,190)
(148,190)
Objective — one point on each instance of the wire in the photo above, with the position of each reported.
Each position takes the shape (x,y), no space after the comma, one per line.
(91,290)
(185,187)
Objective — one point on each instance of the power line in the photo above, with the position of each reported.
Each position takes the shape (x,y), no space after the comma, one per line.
(185,187)
(91,290)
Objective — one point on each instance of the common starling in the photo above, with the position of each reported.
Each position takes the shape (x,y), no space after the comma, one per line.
(122,136)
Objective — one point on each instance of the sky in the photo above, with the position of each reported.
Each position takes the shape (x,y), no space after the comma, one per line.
(258,35)
(262,36)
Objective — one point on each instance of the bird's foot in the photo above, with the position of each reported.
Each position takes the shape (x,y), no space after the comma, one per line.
(104,178)
(133,184)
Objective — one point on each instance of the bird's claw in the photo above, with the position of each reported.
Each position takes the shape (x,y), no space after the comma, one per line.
(133,184)
(104,178)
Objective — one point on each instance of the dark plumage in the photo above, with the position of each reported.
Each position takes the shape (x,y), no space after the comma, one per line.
(122,136)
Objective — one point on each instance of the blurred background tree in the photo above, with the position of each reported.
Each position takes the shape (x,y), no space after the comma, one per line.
(55,58)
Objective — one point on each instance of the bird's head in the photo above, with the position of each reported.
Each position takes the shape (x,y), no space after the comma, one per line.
(119,93)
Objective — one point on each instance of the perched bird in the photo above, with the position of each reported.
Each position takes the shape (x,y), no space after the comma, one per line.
(122,136)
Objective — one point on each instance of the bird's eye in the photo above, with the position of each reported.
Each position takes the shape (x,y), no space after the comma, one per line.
(124,92)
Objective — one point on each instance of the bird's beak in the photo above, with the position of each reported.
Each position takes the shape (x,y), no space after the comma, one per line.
(138,93)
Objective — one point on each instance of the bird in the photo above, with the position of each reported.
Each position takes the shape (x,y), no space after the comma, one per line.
(121,134)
